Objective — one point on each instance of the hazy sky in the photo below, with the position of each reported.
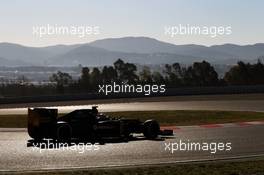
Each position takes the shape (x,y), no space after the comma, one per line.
(120,18)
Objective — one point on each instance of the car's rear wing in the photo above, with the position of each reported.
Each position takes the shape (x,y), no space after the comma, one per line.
(41,122)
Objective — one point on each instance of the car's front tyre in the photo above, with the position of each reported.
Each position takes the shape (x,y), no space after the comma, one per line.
(151,129)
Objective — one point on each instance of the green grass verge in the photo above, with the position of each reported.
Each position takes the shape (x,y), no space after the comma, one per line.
(192,117)
(217,168)
(163,117)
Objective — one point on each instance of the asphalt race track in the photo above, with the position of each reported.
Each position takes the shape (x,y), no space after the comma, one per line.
(246,141)
(17,153)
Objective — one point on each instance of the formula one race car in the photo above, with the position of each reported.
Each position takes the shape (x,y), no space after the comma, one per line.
(86,124)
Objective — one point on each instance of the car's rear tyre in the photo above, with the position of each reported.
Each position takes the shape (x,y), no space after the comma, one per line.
(64,133)
(151,129)
(38,139)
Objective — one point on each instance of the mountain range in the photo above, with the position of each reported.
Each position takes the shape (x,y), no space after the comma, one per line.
(142,50)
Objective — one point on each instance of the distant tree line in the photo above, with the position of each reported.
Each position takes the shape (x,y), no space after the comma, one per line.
(245,74)
(199,74)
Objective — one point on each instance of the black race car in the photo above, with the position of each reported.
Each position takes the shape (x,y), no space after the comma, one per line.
(87,124)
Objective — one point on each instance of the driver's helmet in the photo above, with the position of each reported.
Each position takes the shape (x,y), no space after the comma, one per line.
(94,110)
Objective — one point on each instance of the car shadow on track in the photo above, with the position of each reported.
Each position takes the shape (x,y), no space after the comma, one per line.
(50,143)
